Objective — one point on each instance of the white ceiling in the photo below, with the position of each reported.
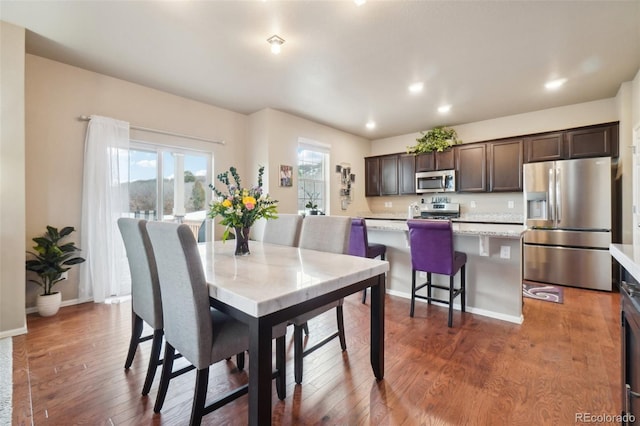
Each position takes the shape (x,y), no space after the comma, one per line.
(343,64)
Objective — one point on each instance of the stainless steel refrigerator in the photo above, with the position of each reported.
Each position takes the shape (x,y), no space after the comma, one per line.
(568,214)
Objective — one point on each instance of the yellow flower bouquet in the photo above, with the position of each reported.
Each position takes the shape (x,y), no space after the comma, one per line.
(241,207)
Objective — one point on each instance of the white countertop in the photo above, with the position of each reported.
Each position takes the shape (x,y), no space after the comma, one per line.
(491,218)
(502,230)
(628,256)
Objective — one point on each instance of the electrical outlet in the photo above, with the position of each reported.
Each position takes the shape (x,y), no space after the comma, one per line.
(473,204)
(510,204)
(390,204)
(505,252)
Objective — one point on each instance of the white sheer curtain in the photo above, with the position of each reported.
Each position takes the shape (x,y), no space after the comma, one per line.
(104,198)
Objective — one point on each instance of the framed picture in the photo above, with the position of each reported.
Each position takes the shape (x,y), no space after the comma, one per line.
(286,175)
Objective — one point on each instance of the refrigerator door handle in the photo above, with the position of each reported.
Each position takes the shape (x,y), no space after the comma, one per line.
(558,196)
(551,210)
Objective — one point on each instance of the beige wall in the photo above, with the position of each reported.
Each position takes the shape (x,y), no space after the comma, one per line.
(625,162)
(12,188)
(634,122)
(282,131)
(57,94)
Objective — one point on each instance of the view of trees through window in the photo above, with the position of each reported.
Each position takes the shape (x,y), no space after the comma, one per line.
(311,180)
(146,196)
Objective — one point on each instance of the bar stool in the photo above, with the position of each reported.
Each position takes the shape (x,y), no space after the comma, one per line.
(431,245)
(359,245)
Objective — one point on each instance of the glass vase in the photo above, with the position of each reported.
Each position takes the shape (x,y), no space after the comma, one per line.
(242,241)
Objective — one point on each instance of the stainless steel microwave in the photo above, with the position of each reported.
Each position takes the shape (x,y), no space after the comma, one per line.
(438,181)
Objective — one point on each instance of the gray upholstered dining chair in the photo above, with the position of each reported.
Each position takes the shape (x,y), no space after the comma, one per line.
(203,335)
(146,304)
(285,230)
(330,234)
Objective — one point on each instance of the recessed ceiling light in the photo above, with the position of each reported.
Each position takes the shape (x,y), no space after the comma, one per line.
(416,87)
(555,84)
(359,2)
(276,43)
(371,125)
(444,109)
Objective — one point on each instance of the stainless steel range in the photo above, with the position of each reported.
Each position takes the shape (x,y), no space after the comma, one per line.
(439,208)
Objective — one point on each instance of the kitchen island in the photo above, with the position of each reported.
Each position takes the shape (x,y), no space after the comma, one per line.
(494,271)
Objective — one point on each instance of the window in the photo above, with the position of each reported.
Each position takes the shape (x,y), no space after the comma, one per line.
(156,194)
(313,162)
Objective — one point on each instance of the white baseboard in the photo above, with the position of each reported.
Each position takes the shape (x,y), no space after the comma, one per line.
(70,302)
(496,315)
(14,332)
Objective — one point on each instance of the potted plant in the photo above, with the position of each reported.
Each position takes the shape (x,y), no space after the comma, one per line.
(437,139)
(311,204)
(51,261)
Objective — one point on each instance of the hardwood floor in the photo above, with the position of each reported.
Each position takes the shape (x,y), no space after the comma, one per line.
(563,360)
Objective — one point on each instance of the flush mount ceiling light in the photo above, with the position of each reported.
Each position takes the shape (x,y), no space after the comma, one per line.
(416,87)
(444,109)
(359,2)
(371,125)
(276,43)
(555,84)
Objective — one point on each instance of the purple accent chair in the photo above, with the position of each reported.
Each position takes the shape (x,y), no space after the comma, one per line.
(431,243)
(359,245)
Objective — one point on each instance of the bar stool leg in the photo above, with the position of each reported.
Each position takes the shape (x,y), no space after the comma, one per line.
(413,292)
(451,293)
(463,293)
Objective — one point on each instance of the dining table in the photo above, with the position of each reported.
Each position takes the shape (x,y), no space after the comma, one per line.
(276,283)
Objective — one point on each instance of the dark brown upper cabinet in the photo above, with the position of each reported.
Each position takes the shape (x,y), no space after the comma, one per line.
(406,174)
(430,161)
(546,147)
(372,176)
(389,173)
(381,175)
(505,165)
(592,141)
(489,166)
(472,167)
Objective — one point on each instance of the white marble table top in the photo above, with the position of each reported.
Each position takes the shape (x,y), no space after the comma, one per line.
(274,277)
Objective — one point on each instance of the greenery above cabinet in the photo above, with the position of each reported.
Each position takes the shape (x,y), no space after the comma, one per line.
(438,139)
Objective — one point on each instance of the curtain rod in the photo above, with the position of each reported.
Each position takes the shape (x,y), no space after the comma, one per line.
(164,132)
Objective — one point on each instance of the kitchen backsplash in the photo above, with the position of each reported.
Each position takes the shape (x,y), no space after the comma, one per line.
(510,203)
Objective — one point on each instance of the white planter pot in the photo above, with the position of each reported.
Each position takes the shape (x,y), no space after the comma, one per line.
(48,304)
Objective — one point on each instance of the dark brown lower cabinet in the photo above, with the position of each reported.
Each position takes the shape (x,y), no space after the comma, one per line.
(630,314)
